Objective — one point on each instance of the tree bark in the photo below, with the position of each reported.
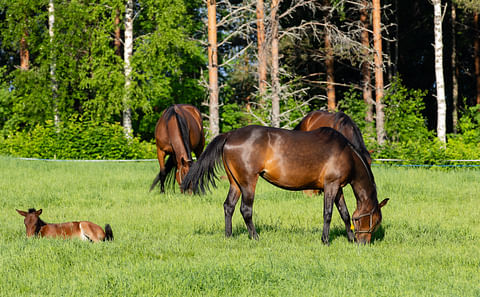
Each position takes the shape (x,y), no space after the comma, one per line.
(275,67)
(53,65)
(476,46)
(117,41)
(365,68)
(24,53)
(128,53)
(377,43)
(454,72)
(441,104)
(213,67)
(329,63)
(262,59)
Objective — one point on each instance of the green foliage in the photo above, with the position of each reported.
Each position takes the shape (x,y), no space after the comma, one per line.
(403,113)
(233,117)
(76,140)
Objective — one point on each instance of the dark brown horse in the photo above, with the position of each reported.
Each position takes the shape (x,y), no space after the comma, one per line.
(83,230)
(293,160)
(338,121)
(178,132)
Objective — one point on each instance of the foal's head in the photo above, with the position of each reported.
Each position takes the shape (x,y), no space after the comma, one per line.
(32,220)
(183,169)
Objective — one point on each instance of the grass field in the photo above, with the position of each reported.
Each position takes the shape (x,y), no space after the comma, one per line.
(173,244)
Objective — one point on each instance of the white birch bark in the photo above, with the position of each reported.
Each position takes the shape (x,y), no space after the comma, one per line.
(128,52)
(53,63)
(441,103)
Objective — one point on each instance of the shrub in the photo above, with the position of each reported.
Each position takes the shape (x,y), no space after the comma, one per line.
(76,139)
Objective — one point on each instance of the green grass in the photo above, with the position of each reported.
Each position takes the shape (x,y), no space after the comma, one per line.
(173,244)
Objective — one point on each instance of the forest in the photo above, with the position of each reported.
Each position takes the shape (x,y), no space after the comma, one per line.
(84,79)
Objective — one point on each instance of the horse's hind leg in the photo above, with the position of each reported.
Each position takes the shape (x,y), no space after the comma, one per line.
(330,193)
(246,208)
(162,174)
(342,209)
(229,206)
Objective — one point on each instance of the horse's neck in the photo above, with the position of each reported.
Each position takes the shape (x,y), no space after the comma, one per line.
(363,185)
(40,224)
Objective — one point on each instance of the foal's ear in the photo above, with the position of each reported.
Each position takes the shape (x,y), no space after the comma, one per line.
(382,204)
(21,212)
(38,212)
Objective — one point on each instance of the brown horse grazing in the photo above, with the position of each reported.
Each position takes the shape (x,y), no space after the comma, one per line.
(83,230)
(178,132)
(338,121)
(293,160)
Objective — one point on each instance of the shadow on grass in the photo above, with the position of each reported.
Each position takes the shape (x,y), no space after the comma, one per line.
(241,230)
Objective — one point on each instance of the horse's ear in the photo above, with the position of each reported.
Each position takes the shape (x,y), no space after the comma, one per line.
(21,212)
(39,212)
(382,204)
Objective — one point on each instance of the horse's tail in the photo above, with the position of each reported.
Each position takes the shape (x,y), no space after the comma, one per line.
(108,233)
(202,174)
(183,127)
(167,174)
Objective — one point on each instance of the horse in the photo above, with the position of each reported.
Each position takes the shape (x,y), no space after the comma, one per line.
(178,132)
(322,159)
(338,121)
(84,230)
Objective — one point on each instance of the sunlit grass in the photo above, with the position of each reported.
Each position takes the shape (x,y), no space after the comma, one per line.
(173,245)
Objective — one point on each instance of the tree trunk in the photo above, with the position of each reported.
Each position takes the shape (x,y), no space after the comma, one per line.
(377,43)
(24,53)
(275,67)
(365,68)
(476,46)
(441,104)
(330,73)
(213,67)
(262,58)
(53,65)
(117,41)
(128,52)
(454,72)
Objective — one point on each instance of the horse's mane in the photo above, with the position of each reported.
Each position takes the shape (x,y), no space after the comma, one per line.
(182,126)
(342,121)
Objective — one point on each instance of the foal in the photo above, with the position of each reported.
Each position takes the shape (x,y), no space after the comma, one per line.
(84,230)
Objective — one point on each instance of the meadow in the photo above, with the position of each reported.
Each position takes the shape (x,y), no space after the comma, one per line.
(174,245)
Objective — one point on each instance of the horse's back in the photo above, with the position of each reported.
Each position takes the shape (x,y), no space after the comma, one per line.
(288,159)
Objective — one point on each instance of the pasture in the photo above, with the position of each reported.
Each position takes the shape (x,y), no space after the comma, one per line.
(174,245)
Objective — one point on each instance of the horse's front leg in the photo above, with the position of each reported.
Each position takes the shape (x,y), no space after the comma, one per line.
(330,194)
(342,209)
(229,207)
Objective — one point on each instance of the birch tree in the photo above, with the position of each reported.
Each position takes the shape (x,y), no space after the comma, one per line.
(53,65)
(365,66)
(128,53)
(439,80)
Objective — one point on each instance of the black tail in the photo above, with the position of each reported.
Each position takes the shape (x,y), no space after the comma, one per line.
(108,233)
(167,174)
(183,127)
(202,174)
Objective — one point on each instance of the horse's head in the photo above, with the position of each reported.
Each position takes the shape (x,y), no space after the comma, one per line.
(183,169)
(366,224)
(31,220)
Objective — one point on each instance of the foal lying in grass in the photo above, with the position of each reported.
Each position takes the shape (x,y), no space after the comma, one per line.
(84,230)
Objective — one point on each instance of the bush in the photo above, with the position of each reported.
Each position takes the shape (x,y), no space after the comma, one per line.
(76,140)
